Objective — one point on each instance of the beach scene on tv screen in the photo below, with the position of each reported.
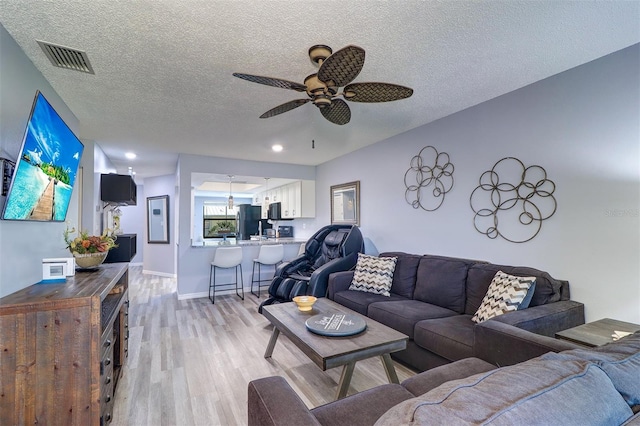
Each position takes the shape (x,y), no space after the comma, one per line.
(46,170)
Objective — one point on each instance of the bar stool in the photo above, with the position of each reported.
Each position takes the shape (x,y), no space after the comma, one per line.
(268,255)
(226,258)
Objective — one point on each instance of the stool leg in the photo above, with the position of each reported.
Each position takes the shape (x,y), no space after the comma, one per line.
(211,295)
(241,282)
(253,278)
(213,298)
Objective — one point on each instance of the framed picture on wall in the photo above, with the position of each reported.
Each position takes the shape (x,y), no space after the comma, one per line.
(345,203)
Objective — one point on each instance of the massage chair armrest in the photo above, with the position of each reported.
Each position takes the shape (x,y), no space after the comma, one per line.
(339,281)
(504,344)
(271,401)
(320,277)
(285,268)
(547,319)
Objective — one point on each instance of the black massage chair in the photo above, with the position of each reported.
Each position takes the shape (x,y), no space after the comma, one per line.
(333,248)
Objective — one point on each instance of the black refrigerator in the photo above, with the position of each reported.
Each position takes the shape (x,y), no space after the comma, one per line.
(247,221)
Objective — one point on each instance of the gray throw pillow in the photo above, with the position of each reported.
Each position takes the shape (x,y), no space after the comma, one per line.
(505,294)
(373,274)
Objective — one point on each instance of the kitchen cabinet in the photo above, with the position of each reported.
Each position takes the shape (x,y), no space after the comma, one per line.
(298,199)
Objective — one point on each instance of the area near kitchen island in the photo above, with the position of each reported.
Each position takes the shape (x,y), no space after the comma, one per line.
(202,253)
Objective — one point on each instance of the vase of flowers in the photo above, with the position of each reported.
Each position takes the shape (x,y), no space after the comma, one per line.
(89,251)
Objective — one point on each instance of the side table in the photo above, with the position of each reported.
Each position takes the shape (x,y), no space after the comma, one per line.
(596,333)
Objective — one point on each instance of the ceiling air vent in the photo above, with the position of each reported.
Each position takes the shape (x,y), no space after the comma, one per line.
(65,57)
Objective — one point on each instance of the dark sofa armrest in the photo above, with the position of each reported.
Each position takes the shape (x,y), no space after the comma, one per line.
(339,281)
(547,319)
(273,402)
(503,344)
(423,382)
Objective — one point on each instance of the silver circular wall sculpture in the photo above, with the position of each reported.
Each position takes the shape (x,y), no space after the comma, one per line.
(428,179)
(512,199)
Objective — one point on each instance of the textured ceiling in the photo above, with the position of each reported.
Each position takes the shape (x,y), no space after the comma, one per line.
(163,80)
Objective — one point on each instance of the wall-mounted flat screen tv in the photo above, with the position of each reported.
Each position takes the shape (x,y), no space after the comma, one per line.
(46,169)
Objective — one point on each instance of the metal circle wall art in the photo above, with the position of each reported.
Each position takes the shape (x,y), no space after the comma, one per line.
(428,179)
(513,199)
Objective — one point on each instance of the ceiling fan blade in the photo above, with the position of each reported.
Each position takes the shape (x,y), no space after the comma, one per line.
(287,106)
(376,92)
(343,66)
(338,112)
(275,82)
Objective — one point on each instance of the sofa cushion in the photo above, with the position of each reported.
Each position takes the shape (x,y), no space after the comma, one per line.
(404,277)
(534,392)
(363,408)
(481,274)
(441,281)
(373,274)
(620,360)
(431,379)
(403,315)
(359,301)
(450,337)
(505,294)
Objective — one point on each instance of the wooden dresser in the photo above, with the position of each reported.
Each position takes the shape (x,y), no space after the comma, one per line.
(62,349)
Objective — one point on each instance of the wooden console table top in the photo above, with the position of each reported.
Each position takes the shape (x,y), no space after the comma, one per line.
(596,333)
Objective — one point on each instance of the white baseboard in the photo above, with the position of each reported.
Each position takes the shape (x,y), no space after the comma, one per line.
(206,294)
(161,274)
(193,295)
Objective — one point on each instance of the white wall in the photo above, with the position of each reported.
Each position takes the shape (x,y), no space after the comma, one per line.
(23,245)
(159,259)
(582,126)
(134,221)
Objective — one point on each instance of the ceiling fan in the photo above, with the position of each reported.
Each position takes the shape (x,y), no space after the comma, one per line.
(335,70)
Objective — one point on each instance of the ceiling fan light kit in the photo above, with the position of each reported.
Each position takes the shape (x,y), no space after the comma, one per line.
(335,70)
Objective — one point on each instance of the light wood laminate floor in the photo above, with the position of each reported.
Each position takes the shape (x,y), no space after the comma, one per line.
(190,361)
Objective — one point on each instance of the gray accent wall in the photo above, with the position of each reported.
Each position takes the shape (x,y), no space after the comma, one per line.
(159,259)
(23,245)
(582,126)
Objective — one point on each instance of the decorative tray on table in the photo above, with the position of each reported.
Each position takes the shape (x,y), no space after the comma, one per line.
(336,324)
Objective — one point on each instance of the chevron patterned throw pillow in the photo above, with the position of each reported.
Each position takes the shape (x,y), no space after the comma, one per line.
(505,293)
(373,274)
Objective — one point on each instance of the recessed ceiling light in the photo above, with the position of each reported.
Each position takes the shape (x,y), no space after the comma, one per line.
(130,155)
(277,148)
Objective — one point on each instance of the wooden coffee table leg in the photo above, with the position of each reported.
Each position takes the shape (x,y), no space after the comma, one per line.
(272,343)
(345,380)
(389,368)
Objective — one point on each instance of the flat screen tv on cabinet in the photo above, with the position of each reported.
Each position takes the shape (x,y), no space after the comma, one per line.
(46,168)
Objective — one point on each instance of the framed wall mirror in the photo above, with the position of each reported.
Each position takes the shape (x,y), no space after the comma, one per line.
(345,203)
(158,219)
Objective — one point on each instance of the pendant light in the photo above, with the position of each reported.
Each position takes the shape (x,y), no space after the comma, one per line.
(230,204)
(266,193)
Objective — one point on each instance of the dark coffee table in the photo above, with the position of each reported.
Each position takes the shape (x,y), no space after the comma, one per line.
(330,352)
(596,333)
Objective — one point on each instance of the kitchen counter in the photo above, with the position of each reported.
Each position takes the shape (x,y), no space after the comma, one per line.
(232,242)
(202,253)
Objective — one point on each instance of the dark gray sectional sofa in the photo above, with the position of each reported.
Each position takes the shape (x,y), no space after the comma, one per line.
(434,297)
(577,386)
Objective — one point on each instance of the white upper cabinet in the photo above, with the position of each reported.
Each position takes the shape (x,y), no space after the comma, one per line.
(298,199)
